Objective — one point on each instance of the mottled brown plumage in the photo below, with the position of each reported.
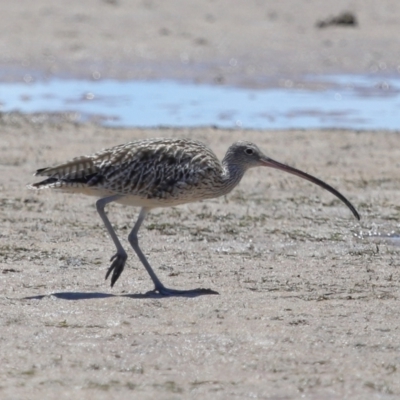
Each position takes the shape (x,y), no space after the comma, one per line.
(159,173)
(147,173)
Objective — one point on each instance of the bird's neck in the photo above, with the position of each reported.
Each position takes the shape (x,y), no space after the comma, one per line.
(232,175)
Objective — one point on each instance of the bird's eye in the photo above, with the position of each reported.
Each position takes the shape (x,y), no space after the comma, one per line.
(249,151)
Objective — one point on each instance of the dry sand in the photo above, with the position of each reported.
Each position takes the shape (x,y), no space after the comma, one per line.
(222,41)
(305,308)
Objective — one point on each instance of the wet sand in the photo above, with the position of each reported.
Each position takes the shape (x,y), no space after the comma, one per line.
(306,309)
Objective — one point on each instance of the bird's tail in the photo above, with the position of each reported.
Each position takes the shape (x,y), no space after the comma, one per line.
(77,172)
(47,183)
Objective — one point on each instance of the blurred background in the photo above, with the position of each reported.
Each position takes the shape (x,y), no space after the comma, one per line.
(335,53)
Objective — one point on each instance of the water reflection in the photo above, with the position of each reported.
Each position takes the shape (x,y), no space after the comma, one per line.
(343,101)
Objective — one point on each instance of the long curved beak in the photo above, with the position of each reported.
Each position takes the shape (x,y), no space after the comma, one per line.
(268,162)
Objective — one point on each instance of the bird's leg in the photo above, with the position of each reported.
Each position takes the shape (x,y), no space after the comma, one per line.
(119,258)
(133,240)
(158,286)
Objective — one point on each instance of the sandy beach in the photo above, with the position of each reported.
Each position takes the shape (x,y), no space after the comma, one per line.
(308,303)
(217,41)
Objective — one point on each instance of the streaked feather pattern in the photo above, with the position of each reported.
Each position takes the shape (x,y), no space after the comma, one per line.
(164,170)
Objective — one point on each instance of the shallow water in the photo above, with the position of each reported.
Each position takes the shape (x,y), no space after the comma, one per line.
(342,101)
(392,238)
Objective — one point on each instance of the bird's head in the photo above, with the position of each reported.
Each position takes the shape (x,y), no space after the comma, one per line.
(245,155)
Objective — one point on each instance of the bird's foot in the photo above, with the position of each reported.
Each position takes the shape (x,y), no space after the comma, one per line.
(163,291)
(117,266)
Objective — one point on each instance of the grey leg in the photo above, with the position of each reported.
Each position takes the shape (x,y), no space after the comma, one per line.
(119,258)
(158,286)
(134,241)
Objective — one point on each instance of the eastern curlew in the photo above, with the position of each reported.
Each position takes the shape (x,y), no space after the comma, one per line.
(159,173)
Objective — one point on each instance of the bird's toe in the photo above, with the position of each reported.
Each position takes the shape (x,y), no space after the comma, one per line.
(163,291)
(117,266)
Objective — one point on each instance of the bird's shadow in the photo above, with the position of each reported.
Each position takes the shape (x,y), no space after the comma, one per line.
(98,295)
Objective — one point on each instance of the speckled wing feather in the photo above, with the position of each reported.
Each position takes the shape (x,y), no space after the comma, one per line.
(153,169)
(159,168)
